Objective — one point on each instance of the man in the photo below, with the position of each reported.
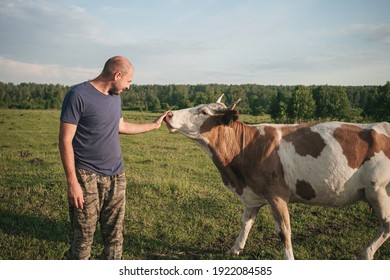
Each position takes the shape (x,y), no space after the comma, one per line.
(91,121)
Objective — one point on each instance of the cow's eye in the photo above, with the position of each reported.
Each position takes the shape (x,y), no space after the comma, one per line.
(204,112)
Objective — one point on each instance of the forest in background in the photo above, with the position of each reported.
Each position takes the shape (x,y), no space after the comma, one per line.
(285,104)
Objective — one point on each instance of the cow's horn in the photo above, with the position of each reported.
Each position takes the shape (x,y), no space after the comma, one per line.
(234,104)
(220,98)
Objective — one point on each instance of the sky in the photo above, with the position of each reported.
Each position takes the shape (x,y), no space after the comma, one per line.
(267,42)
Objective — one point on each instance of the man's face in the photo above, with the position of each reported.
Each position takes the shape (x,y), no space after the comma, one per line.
(122,82)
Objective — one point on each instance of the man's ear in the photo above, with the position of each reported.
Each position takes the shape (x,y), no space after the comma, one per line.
(230,117)
(117,75)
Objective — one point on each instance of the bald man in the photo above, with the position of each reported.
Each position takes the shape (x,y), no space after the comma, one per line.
(91,121)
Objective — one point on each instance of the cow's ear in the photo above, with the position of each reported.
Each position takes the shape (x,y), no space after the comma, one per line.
(230,116)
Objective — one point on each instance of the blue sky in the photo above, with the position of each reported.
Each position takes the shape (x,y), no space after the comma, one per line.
(274,42)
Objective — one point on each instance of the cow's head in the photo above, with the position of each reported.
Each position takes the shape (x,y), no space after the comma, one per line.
(192,122)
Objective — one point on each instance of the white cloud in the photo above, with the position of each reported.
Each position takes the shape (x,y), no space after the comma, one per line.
(35,31)
(17,72)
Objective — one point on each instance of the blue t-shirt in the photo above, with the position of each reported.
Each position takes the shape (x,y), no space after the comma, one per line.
(96,143)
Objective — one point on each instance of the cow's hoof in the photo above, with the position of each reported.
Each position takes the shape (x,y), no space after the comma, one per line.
(233,252)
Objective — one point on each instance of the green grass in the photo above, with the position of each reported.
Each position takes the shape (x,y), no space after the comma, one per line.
(177,206)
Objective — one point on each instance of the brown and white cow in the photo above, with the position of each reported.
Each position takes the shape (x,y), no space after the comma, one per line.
(329,164)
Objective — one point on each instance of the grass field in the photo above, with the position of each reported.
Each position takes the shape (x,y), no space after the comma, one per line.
(177,206)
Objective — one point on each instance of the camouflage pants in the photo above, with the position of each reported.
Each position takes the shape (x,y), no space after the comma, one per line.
(104,202)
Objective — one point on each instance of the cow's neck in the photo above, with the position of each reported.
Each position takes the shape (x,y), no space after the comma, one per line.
(242,153)
(229,142)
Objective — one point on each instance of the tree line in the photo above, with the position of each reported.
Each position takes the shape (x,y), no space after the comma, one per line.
(285,104)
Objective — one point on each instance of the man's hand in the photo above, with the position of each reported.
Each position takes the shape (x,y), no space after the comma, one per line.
(75,195)
(137,128)
(160,119)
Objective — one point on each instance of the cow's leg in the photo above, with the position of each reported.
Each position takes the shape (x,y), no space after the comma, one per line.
(281,215)
(248,218)
(379,199)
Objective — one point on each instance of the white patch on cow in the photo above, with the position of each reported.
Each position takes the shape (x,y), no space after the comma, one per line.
(183,121)
(327,174)
(379,169)
(381,128)
(230,187)
(288,254)
(251,199)
(260,128)
(204,144)
(279,131)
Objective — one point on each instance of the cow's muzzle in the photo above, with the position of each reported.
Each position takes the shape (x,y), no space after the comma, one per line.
(167,120)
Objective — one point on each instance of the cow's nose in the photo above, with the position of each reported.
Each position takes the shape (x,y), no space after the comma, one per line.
(168,116)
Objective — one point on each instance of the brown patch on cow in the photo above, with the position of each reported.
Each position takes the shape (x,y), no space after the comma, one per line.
(305,190)
(305,141)
(381,143)
(359,145)
(354,142)
(209,124)
(245,157)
